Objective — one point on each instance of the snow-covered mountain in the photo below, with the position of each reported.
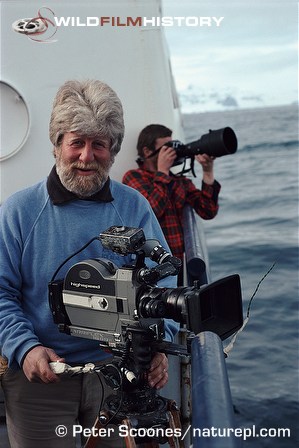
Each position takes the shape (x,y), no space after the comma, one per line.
(194,99)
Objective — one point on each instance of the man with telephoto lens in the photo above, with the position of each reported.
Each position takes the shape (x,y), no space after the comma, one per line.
(169,193)
(40,227)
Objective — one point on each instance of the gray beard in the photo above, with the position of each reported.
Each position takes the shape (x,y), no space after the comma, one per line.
(82,186)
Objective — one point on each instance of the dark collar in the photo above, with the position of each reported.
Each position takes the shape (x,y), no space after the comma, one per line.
(59,194)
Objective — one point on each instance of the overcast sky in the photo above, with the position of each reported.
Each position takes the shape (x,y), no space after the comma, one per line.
(249,61)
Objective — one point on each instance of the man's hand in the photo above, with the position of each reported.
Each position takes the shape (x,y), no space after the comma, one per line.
(36,365)
(167,156)
(207,164)
(158,372)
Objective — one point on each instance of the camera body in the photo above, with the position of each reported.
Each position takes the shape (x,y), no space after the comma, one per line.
(98,300)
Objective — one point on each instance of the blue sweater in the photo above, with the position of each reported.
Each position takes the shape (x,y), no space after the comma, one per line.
(35,238)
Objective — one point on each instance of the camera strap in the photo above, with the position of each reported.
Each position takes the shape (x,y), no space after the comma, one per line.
(185,170)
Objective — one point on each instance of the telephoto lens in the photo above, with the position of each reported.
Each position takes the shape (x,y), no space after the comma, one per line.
(220,142)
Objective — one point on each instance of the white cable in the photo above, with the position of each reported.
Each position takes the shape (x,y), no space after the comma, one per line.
(61,367)
(229,347)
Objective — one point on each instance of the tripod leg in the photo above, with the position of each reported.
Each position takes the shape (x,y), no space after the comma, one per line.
(99,428)
(129,440)
(92,440)
(174,424)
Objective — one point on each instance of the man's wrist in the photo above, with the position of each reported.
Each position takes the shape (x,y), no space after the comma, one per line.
(164,171)
(208,178)
(26,353)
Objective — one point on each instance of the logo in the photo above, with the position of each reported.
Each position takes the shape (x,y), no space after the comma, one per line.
(85,285)
(104,21)
(40,28)
(44,26)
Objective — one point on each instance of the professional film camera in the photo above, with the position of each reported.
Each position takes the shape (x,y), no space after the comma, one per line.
(98,300)
(124,309)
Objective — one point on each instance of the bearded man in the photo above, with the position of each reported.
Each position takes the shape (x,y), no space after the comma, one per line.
(41,227)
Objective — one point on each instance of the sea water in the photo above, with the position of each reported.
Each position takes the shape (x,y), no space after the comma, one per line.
(256,226)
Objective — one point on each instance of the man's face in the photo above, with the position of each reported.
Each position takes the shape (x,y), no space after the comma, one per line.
(83,163)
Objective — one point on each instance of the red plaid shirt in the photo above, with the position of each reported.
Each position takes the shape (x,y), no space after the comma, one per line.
(168,195)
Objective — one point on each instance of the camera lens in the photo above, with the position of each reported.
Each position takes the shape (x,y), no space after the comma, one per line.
(175,304)
(152,307)
(163,302)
